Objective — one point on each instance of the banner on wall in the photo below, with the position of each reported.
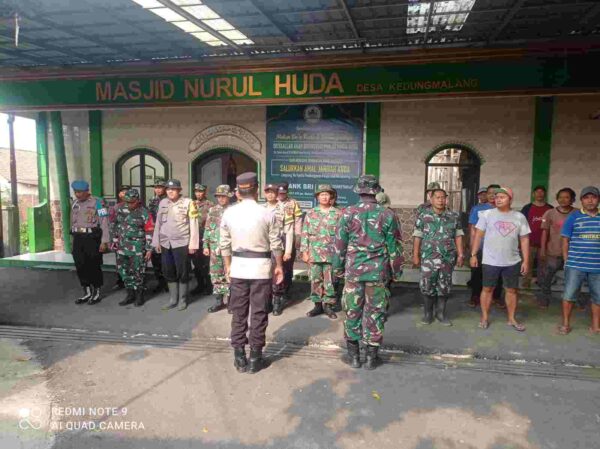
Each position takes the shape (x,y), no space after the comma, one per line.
(315,144)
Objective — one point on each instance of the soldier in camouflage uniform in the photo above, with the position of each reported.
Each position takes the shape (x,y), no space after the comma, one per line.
(210,243)
(113,211)
(200,261)
(437,247)
(160,193)
(292,219)
(427,204)
(338,285)
(368,246)
(316,247)
(131,233)
(287,239)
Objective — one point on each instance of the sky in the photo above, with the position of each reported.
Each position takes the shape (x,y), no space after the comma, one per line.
(24,133)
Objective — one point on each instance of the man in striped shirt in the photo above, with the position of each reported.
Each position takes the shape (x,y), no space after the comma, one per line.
(581,250)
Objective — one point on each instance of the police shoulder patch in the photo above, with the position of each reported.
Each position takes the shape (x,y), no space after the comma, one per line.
(193,210)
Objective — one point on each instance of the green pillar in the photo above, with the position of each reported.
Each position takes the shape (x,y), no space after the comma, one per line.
(41,129)
(542,141)
(62,176)
(95,122)
(373,139)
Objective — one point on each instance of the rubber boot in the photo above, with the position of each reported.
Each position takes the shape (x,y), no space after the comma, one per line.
(139,297)
(87,294)
(129,298)
(239,360)
(328,309)
(173,296)
(95,298)
(208,286)
(183,295)
(428,302)
(219,305)
(352,358)
(277,305)
(200,287)
(372,361)
(316,310)
(256,361)
(440,311)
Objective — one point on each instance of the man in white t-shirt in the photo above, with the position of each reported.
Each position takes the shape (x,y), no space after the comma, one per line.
(504,230)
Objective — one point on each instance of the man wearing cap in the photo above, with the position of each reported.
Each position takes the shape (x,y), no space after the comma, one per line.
(427,204)
(131,236)
(581,250)
(113,211)
(249,236)
(91,235)
(201,262)
(210,244)
(287,238)
(176,238)
(292,219)
(159,195)
(316,247)
(505,230)
(437,247)
(368,249)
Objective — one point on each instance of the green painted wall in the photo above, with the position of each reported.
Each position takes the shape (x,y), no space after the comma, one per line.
(542,141)
(373,139)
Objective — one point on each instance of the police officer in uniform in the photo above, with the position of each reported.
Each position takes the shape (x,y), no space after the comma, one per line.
(292,219)
(249,235)
(160,194)
(90,231)
(176,238)
(201,262)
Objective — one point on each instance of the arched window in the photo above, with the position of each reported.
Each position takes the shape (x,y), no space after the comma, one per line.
(138,168)
(456,168)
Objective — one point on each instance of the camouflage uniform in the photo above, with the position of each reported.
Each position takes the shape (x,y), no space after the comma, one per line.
(438,250)
(427,204)
(202,262)
(211,241)
(131,233)
(368,244)
(318,232)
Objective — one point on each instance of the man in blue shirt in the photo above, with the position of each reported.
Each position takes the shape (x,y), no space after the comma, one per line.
(476,272)
(581,251)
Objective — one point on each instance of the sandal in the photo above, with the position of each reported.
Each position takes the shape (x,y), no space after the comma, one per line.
(517,326)
(564,330)
(484,324)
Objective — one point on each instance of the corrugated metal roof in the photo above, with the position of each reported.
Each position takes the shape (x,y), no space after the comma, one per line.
(63,32)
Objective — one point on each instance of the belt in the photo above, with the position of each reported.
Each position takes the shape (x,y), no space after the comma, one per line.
(83,230)
(252,254)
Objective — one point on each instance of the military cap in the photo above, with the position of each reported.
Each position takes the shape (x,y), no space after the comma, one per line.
(132,195)
(223,190)
(283,187)
(273,187)
(433,186)
(367,185)
(589,190)
(173,184)
(124,187)
(383,199)
(80,185)
(247,180)
(324,188)
(160,182)
(200,187)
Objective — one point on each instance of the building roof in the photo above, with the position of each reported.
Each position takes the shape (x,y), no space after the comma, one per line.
(135,32)
(27,171)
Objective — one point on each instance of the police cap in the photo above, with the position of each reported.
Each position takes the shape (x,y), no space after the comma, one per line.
(80,185)
(174,184)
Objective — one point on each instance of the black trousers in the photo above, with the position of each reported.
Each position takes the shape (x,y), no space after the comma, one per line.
(249,297)
(477,280)
(157,265)
(288,271)
(201,265)
(175,264)
(88,259)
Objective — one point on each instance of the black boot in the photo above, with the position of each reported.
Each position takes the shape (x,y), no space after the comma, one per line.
(173,296)
(87,294)
(219,305)
(199,289)
(316,310)
(328,309)
(139,297)
(428,302)
(352,358)
(239,360)
(208,287)
(129,298)
(161,286)
(440,311)
(95,298)
(277,305)
(372,361)
(183,295)
(256,361)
